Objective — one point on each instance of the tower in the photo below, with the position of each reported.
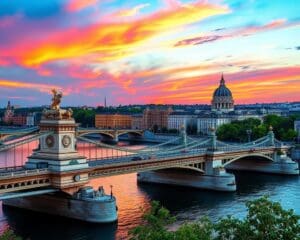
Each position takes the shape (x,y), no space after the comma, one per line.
(57,150)
(9,113)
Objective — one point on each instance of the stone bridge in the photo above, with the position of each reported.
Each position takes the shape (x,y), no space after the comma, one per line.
(112,134)
(8,133)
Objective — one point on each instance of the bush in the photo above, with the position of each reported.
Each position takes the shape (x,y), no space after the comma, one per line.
(9,235)
(266,220)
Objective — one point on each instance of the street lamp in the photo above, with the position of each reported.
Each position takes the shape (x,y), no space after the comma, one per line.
(111,192)
(249,132)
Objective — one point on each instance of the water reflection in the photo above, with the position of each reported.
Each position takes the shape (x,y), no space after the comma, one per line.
(17,156)
(37,226)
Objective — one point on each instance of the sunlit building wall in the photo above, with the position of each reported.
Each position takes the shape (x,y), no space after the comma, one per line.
(113,121)
(156,118)
(137,121)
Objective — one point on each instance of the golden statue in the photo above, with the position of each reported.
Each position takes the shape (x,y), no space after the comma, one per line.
(55,112)
(56,99)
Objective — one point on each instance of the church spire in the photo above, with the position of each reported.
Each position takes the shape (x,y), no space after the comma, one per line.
(8,105)
(222,82)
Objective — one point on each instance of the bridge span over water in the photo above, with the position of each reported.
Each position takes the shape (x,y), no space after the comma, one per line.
(207,156)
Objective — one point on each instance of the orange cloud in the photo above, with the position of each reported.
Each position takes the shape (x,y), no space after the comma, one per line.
(34,86)
(115,40)
(78,5)
(260,86)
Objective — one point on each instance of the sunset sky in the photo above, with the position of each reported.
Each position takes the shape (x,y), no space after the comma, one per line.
(148,51)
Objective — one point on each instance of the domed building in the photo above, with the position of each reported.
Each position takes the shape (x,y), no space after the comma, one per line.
(222,99)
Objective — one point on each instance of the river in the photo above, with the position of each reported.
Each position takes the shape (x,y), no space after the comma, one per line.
(186,204)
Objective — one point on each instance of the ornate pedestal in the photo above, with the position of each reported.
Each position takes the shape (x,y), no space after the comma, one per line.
(57,149)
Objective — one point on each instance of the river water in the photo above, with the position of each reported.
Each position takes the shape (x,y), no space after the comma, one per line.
(186,204)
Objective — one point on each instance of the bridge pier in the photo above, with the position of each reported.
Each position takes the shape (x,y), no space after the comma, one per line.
(282,165)
(213,176)
(219,181)
(116,138)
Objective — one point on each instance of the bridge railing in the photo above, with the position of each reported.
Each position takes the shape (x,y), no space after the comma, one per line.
(23,172)
(5,147)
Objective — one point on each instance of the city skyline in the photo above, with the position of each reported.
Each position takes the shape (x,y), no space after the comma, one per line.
(168,52)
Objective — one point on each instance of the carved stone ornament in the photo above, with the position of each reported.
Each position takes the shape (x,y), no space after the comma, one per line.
(66,141)
(50,141)
(77,178)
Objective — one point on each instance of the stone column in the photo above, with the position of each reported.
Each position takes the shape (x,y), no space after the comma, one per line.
(213,138)
(271,136)
(183,135)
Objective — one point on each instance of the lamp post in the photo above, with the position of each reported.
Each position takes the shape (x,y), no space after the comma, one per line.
(249,132)
(111,192)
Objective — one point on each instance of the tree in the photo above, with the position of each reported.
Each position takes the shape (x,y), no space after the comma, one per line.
(8,234)
(237,130)
(229,132)
(266,220)
(154,228)
(289,135)
(259,131)
(85,117)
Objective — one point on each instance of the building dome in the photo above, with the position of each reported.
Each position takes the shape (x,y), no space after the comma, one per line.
(222,91)
(222,98)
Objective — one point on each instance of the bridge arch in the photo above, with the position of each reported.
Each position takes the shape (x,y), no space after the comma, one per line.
(191,168)
(257,155)
(107,134)
(137,133)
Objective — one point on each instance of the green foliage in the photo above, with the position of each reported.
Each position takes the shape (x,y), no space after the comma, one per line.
(237,130)
(229,132)
(155,228)
(85,117)
(203,229)
(9,235)
(266,220)
(283,128)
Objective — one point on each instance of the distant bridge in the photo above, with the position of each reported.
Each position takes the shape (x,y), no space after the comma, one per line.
(112,133)
(17,132)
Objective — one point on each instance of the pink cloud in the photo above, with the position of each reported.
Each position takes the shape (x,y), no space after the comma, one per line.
(78,5)
(240,32)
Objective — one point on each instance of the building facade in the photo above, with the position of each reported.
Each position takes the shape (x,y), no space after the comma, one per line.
(156,119)
(113,121)
(19,120)
(137,121)
(222,100)
(178,119)
(8,114)
(205,123)
(30,120)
